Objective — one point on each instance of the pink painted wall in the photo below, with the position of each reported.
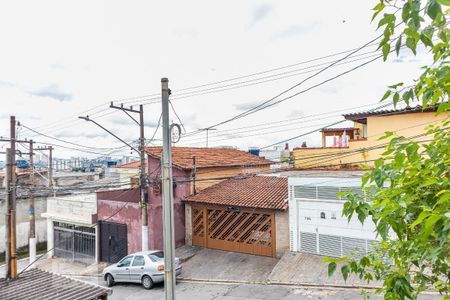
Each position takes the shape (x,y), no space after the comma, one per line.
(126,204)
(155,195)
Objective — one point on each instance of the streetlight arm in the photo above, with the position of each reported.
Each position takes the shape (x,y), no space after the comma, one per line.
(90,120)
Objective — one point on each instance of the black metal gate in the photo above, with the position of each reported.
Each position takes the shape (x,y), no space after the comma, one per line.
(74,242)
(113,241)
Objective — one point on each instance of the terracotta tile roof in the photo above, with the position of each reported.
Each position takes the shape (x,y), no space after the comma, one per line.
(130,165)
(263,192)
(209,157)
(38,284)
(339,129)
(405,110)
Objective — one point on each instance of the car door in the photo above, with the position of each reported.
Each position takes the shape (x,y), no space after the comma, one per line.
(137,268)
(123,269)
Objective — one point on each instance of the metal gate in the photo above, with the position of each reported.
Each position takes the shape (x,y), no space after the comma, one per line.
(113,241)
(74,242)
(231,229)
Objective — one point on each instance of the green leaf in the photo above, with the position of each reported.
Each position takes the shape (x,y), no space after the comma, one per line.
(386,135)
(429,182)
(386,95)
(331,268)
(445,2)
(398,45)
(426,40)
(411,44)
(434,9)
(396,98)
(345,270)
(423,215)
(386,49)
(428,227)
(406,12)
(378,8)
(443,198)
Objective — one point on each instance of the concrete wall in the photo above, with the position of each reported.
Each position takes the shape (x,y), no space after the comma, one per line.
(407,125)
(282,232)
(22,221)
(74,209)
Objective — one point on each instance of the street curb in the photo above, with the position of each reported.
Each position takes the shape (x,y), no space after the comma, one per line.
(80,275)
(311,285)
(20,259)
(305,285)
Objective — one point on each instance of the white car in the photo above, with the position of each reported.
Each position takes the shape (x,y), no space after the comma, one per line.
(145,267)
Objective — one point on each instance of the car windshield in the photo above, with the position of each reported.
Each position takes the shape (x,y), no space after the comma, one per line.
(157,256)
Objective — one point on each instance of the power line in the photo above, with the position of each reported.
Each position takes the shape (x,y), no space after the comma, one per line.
(264,103)
(265,126)
(155,97)
(67,142)
(309,132)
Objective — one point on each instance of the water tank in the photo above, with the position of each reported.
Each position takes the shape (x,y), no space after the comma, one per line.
(254,151)
(22,164)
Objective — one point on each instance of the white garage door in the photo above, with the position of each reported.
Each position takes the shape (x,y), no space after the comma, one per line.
(333,245)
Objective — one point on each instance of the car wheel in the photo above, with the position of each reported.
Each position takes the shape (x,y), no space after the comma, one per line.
(109,280)
(147,282)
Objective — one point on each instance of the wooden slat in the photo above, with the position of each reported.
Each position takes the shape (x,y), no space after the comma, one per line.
(239,225)
(248,227)
(227,222)
(260,229)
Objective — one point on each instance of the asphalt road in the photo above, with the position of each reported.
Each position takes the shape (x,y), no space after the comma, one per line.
(209,291)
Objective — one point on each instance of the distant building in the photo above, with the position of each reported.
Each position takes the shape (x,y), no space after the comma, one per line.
(351,147)
(280,155)
(127,172)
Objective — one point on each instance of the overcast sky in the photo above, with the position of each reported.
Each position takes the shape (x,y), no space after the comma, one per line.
(61,58)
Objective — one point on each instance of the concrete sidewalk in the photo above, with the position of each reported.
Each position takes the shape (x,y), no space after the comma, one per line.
(307,269)
(217,265)
(60,266)
(292,269)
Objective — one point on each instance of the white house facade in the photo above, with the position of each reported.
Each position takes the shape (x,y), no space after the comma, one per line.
(316,223)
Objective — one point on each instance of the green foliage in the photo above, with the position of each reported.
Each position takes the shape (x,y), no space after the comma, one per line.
(407,194)
(412,217)
(423,23)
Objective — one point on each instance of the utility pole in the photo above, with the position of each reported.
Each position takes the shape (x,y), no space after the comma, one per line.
(12,272)
(50,167)
(194,171)
(207,134)
(50,164)
(167,193)
(8,215)
(31,213)
(142,172)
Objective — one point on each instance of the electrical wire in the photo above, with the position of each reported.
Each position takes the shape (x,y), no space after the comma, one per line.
(153,99)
